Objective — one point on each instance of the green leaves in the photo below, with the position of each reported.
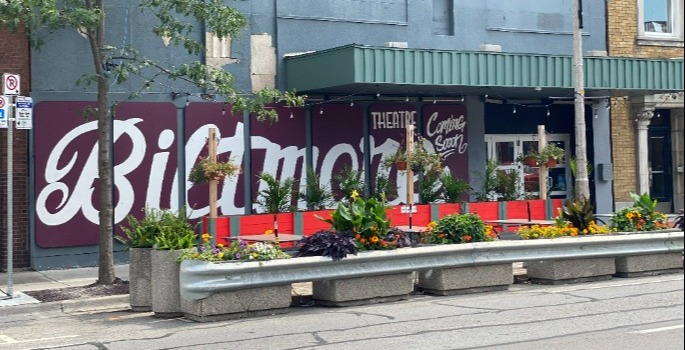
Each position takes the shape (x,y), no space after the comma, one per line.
(579,213)
(277,196)
(644,201)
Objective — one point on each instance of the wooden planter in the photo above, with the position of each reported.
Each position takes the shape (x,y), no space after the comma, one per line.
(363,290)
(242,303)
(464,280)
(570,270)
(166,293)
(648,265)
(140,281)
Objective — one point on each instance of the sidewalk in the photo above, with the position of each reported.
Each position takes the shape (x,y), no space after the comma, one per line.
(29,280)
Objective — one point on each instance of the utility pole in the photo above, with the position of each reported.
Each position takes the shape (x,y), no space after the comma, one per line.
(582,185)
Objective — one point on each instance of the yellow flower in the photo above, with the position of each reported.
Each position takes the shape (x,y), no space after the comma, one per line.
(269,232)
(354,195)
(219,245)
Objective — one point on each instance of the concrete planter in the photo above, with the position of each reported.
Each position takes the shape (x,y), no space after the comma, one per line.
(166,296)
(464,280)
(242,303)
(571,270)
(140,282)
(650,264)
(363,290)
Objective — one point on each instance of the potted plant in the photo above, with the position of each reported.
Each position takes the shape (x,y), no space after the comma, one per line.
(175,234)
(206,170)
(277,196)
(551,155)
(140,238)
(530,158)
(423,161)
(398,159)
(248,302)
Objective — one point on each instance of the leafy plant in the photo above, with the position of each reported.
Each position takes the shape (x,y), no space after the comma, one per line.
(315,195)
(141,233)
(348,181)
(489,182)
(277,196)
(383,191)
(366,219)
(395,158)
(454,188)
(429,187)
(423,161)
(552,151)
(530,157)
(460,228)
(175,232)
(579,213)
(336,245)
(205,170)
(641,216)
(507,186)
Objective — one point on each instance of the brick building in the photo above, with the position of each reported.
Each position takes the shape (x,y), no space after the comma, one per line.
(647,131)
(15,58)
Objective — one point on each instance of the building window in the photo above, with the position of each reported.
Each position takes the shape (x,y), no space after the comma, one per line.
(660,19)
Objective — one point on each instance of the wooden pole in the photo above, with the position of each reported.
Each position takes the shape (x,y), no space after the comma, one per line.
(542,170)
(410,172)
(213,184)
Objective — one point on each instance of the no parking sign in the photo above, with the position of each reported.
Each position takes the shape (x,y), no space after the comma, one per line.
(10,84)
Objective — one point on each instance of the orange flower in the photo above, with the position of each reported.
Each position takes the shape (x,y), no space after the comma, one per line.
(466,238)
(442,235)
(374,239)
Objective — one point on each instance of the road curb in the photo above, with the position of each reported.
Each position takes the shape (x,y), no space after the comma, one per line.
(108,303)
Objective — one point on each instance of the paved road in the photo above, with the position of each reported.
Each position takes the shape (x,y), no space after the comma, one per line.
(641,313)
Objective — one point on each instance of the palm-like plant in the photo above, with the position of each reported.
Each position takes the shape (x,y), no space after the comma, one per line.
(277,196)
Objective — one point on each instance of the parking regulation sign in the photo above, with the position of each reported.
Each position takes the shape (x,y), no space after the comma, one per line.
(4,111)
(24,112)
(10,84)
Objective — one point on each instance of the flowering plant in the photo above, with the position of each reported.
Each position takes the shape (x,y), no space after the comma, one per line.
(459,228)
(237,250)
(365,219)
(642,216)
(206,170)
(563,230)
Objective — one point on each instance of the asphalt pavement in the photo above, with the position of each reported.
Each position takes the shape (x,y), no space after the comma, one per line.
(25,280)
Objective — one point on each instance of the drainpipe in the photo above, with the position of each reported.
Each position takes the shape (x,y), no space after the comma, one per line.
(643,118)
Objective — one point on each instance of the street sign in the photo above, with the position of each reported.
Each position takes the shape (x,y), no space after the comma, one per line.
(4,111)
(10,84)
(406,209)
(24,112)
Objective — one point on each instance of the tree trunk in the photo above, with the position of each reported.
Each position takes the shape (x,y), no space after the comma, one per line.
(106,260)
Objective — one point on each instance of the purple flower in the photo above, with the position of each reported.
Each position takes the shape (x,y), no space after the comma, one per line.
(237,256)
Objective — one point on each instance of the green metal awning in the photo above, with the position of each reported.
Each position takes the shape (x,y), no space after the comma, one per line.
(358,69)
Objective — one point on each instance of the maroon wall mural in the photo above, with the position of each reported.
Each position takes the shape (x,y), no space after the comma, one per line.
(66,182)
(278,148)
(200,117)
(444,127)
(338,139)
(145,156)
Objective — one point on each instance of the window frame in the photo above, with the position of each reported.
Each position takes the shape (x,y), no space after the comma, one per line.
(675,20)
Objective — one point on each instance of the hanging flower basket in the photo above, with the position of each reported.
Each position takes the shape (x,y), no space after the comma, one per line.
(531,162)
(205,170)
(551,163)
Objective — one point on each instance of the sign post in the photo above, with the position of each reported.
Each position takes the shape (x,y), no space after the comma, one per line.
(10,87)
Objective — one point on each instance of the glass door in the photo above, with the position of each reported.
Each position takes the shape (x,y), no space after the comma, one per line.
(505,148)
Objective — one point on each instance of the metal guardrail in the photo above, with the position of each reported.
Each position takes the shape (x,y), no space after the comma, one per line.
(200,279)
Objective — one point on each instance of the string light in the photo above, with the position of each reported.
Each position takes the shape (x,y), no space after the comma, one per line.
(406,99)
(352,103)
(378,94)
(548,112)
(594,113)
(321,110)
(291,115)
(514,110)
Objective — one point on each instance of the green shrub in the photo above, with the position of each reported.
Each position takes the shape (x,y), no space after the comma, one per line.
(459,228)
(175,232)
(348,181)
(277,196)
(454,189)
(315,195)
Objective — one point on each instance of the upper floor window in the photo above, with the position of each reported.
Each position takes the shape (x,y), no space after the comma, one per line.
(660,18)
